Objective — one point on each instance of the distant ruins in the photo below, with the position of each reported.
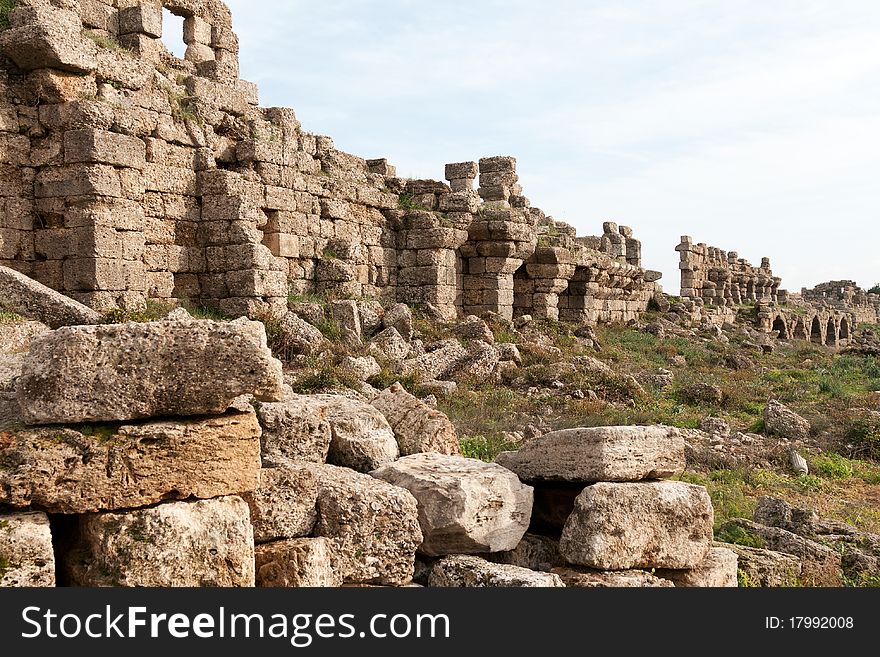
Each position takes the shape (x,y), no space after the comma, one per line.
(128,174)
(722,280)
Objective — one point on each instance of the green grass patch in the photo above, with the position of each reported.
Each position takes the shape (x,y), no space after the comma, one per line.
(8,317)
(832,466)
(739,536)
(107,42)
(6,6)
(485,448)
(153,311)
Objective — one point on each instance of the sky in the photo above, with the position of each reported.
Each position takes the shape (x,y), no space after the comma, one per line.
(753,125)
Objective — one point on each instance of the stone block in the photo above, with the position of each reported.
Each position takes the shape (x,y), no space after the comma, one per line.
(103,467)
(27,559)
(608,454)
(664,524)
(143,18)
(208,543)
(469,571)
(303,562)
(133,371)
(102,147)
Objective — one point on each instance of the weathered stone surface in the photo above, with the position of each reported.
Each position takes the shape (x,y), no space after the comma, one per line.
(360,369)
(28,298)
(26,555)
(785,423)
(717,570)
(374,525)
(584,578)
(389,345)
(465,506)
(701,393)
(399,317)
(64,470)
(133,371)
(758,567)
(820,565)
(295,428)
(534,552)
(599,454)
(468,571)
(300,562)
(300,337)
(361,438)
(204,543)
(16,337)
(50,38)
(346,314)
(417,427)
(284,505)
(665,524)
(437,364)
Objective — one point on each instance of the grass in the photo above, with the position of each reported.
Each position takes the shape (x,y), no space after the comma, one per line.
(319,299)
(107,42)
(153,311)
(408,204)
(6,6)
(485,448)
(8,317)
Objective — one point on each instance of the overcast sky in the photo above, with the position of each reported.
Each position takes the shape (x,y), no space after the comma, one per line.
(751,125)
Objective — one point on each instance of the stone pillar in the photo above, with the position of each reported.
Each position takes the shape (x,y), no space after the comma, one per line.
(632,247)
(613,242)
(499,180)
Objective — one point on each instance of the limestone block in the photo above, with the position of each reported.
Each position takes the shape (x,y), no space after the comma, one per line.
(614,526)
(389,345)
(28,298)
(500,163)
(469,571)
(609,454)
(586,578)
(461,170)
(785,423)
(124,372)
(417,427)
(301,562)
(718,569)
(360,369)
(284,504)
(102,147)
(196,544)
(97,468)
(27,559)
(141,19)
(361,438)
(758,567)
(373,525)
(46,37)
(295,428)
(465,506)
(347,315)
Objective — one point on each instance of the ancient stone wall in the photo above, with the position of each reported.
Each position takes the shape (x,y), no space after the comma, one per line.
(722,278)
(130,174)
(845,295)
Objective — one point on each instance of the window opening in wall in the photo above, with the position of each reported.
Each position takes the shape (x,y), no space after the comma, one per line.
(172,34)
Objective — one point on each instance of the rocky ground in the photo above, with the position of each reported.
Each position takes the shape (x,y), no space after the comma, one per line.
(369,459)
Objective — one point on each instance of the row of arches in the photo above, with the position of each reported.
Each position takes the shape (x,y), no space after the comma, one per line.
(830,332)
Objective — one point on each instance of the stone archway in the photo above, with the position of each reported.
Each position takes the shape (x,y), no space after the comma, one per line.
(816,331)
(523,292)
(844,330)
(831,333)
(780,325)
(800,330)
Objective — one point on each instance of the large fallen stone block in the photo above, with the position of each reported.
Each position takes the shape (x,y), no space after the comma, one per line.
(361,438)
(820,565)
(417,427)
(295,428)
(26,555)
(284,505)
(101,468)
(134,371)
(28,298)
(301,562)
(599,454)
(717,570)
(779,420)
(465,506)
(374,525)
(204,543)
(584,578)
(758,567)
(468,571)
(664,524)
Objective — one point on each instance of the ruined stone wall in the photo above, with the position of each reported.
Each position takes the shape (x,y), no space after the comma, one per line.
(722,278)
(845,295)
(130,174)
